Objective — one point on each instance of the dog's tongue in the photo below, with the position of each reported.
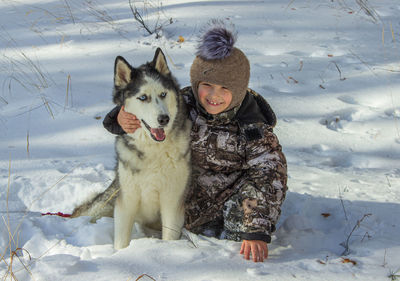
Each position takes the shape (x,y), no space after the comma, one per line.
(158,134)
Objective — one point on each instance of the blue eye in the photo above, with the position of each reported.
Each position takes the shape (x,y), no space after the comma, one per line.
(163,94)
(142,98)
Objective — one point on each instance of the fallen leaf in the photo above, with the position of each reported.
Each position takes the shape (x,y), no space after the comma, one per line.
(330,55)
(325,215)
(181,39)
(97,117)
(346,260)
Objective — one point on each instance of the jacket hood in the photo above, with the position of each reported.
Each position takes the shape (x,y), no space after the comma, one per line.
(254,109)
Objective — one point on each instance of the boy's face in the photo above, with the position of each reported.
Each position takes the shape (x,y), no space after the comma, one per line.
(214,98)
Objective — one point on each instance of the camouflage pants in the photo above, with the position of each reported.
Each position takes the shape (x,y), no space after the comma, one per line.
(243,213)
(228,225)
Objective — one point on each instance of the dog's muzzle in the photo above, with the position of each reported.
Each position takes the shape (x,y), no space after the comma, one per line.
(157,134)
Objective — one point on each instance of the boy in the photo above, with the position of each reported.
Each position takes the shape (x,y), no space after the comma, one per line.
(239,171)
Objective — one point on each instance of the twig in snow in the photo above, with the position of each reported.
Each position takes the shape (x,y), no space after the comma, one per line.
(47,106)
(138,16)
(143,275)
(290,3)
(340,72)
(369,11)
(69,11)
(388,181)
(341,201)
(13,239)
(3,100)
(391,29)
(301,65)
(346,243)
(27,143)
(363,62)
(366,235)
(17,229)
(68,91)
(21,68)
(384,259)
(102,14)
(10,271)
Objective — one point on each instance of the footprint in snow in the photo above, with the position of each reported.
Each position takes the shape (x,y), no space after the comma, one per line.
(338,120)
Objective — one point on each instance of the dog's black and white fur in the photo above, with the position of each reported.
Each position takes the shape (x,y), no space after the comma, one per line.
(153,163)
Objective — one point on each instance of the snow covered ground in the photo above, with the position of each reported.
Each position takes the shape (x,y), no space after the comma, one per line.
(329,68)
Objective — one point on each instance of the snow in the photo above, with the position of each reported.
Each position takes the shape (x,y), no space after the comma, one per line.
(329,70)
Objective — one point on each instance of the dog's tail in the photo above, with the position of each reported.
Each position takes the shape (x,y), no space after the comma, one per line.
(102,205)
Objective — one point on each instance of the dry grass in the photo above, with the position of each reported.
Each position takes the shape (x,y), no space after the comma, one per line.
(394,275)
(368,10)
(21,68)
(68,8)
(68,95)
(385,55)
(346,244)
(13,239)
(25,72)
(12,249)
(142,276)
(102,15)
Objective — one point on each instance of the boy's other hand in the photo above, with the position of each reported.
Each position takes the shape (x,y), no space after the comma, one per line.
(257,248)
(128,122)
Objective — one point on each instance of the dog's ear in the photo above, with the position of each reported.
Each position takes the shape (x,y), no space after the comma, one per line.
(160,63)
(122,72)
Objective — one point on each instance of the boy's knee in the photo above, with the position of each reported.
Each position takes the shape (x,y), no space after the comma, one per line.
(239,212)
(233,217)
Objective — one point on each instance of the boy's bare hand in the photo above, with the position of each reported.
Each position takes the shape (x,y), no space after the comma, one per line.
(128,122)
(257,248)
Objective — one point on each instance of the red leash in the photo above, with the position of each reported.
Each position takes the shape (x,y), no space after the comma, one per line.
(57,214)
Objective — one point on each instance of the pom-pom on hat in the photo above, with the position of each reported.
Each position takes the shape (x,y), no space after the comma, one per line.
(219,62)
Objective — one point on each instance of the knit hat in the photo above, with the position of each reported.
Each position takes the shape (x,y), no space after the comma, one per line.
(219,62)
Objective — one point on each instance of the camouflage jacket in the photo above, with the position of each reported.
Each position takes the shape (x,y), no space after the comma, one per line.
(234,155)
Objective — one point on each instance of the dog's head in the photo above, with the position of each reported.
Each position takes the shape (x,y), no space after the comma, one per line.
(149,92)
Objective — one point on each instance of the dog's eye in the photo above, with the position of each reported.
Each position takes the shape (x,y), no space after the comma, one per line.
(163,94)
(142,98)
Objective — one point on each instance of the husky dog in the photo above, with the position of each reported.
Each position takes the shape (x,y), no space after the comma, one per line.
(153,163)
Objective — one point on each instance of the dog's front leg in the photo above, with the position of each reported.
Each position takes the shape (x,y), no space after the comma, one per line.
(172,217)
(124,215)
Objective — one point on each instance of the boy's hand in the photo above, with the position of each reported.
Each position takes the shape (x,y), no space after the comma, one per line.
(128,122)
(258,249)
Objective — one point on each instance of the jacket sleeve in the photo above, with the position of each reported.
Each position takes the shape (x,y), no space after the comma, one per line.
(111,124)
(264,187)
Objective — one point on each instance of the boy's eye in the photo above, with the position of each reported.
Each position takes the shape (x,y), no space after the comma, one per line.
(142,98)
(163,94)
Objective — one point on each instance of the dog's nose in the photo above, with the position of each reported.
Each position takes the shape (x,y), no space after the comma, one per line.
(163,120)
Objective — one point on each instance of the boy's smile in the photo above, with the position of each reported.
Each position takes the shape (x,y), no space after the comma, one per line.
(214,98)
